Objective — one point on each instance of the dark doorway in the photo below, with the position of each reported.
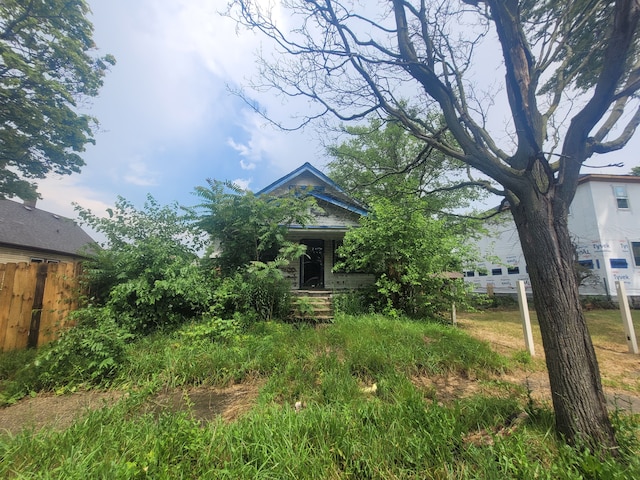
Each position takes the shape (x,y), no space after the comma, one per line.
(312,264)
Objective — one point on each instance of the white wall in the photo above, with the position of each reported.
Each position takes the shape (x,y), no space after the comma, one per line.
(602,232)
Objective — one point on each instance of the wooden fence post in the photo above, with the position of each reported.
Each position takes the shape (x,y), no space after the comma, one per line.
(36,309)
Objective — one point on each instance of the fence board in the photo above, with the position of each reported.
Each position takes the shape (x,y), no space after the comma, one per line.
(22,290)
(60,299)
(17,293)
(6,272)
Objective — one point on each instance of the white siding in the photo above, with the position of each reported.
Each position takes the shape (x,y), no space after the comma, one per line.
(602,233)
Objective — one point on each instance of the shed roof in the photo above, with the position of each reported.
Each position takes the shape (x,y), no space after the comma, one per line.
(28,227)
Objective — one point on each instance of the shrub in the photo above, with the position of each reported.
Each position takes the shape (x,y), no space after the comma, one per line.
(90,353)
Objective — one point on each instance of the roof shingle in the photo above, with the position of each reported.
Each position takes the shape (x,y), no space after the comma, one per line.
(32,228)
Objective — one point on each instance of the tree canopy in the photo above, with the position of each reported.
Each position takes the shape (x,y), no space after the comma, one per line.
(47,70)
(383,160)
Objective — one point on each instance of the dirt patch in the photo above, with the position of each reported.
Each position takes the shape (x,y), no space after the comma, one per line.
(619,369)
(55,411)
(207,403)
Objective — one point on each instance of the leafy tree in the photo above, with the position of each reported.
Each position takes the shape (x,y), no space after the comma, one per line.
(570,77)
(383,160)
(408,252)
(246,228)
(635,171)
(148,273)
(406,241)
(46,69)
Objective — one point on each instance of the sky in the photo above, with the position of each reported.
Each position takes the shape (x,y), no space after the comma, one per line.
(168,119)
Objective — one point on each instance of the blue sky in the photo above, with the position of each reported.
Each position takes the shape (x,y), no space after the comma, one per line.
(168,121)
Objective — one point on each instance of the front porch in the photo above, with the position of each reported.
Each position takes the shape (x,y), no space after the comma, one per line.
(315,269)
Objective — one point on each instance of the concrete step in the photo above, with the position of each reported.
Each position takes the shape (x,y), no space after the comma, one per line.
(312,305)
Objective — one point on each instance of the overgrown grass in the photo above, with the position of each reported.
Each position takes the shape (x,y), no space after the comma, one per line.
(342,432)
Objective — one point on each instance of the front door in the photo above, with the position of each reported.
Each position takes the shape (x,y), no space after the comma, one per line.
(312,264)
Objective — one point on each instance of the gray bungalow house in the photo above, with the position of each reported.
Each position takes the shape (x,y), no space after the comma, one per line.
(336,212)
(28,234)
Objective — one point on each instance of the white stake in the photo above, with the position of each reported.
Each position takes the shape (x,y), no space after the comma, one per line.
(623,301)
(524,315)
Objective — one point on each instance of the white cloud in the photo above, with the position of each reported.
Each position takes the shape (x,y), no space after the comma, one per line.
(59,193)
(140,175)
(247,166)
(243,182)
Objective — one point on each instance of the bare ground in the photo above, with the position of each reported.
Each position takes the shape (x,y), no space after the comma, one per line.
(60,411)
(620,373)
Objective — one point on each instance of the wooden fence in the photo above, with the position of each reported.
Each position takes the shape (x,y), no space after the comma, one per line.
(35,302)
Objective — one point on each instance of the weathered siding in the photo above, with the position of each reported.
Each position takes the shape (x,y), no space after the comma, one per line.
(332,281)
(15,255)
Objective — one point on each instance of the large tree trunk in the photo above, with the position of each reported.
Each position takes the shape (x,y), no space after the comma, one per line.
(578,398)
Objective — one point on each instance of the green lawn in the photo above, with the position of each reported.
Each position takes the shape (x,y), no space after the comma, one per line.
(343,431)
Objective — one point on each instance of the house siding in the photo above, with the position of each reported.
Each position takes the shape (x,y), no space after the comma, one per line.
(603,234)
(15,255)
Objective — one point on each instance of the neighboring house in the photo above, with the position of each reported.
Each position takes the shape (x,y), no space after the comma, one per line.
(335,213)
(28,234)
(604,221)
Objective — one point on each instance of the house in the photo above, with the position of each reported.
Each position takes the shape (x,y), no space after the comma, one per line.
(28,234)
(336,212)
(604,220)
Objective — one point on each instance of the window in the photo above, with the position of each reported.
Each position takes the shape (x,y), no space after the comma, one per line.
(513,270)
(618,263)
(496,271)
(620,192)
(470,273)
(586,264)
(635,251)
(44,260)
(482,272)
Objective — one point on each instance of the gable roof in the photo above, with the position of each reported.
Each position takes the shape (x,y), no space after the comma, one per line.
(332,193)
(27,227)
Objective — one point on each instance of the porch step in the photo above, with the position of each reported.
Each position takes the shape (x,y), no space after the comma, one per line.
(312,305)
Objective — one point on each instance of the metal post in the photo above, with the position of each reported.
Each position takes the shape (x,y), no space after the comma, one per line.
(627,321)
(524,315)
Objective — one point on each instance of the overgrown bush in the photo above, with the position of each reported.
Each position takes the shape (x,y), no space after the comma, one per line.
(269,292)
(90,353)
(409,253)
(356,302)
(169,296)
(147,273)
